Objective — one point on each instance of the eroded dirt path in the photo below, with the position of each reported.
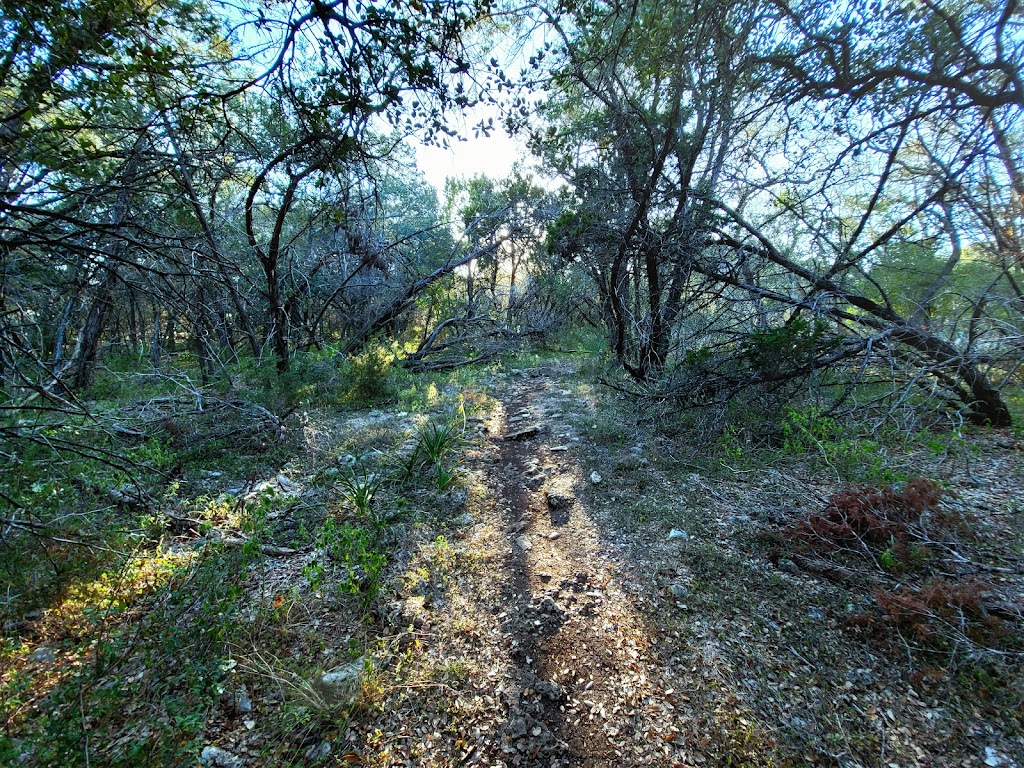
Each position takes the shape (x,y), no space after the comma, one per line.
(541,616)
(556,622)
(586,689)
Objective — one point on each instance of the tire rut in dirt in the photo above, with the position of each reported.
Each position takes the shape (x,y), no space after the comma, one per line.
(529,735)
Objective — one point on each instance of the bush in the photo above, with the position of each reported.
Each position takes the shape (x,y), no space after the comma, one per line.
(808,432)
(355,561)
(943,609)
(371,376)
(787,348)
(880,523)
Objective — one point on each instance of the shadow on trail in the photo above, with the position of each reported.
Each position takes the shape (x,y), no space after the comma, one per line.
(586,693)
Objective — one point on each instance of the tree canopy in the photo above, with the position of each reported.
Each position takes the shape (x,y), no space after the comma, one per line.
(234,179)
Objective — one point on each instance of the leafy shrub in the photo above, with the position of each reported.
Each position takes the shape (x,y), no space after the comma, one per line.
(789,347)
(772,363)
(371,376)
(808,432)
(352,554)
(149,616)
(360,486)
(436,441)
(312,379)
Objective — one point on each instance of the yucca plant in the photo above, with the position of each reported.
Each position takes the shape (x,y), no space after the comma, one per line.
(434,443)
(359,487)
(446,476)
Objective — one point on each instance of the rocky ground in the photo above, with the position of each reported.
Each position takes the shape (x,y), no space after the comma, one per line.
(588,594)
(605,609)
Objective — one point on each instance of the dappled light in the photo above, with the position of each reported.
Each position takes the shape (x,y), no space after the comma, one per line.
(466,383)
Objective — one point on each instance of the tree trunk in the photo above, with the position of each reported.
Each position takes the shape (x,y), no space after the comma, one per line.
(133,327)
(402,302)
(278,330)
(96,320)
(62,328)
(983,400)
(156,339)
(170,332)
(92,330)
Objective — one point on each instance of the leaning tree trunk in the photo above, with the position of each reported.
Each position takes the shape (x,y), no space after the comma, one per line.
(984,402)
(92,330)
(402,302)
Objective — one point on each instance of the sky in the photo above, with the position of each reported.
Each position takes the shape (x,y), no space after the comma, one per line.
(492,156)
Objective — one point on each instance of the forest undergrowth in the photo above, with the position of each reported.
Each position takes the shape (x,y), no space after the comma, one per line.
(192,582)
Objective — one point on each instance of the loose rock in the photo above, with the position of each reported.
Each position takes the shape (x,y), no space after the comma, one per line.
(558,501)
(995,758)
(787,565)
(43,655)
(318,752)
(341,685)
(524,434)
(236,701)
(215,757)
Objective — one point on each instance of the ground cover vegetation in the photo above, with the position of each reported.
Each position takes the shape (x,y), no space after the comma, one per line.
(252,365)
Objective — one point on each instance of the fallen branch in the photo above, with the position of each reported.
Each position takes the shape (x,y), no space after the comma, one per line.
(267,549)
(830,571)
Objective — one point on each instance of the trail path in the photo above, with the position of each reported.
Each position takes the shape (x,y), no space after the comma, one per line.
(586,689)
(555,625)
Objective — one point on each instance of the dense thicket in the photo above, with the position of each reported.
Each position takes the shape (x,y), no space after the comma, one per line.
(182,174)
(761,195)
(765,192)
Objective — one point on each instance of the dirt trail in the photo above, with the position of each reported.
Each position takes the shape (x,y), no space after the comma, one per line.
(588,690)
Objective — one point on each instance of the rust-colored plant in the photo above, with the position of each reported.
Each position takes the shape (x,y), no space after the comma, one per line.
(942,608)
(880,523)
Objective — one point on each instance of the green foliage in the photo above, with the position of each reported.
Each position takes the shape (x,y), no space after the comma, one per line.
(74,482)
(446,477)
(432,569)
(370,376)
(360,485)
(787,347)
(419,397)
(905,271)
(607,426)
(128,376)
(325,378)
(435,443)
(569,234)
(311,379)
(809,433)
(732,445)
(354,562)
(803,431)
(190,613)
